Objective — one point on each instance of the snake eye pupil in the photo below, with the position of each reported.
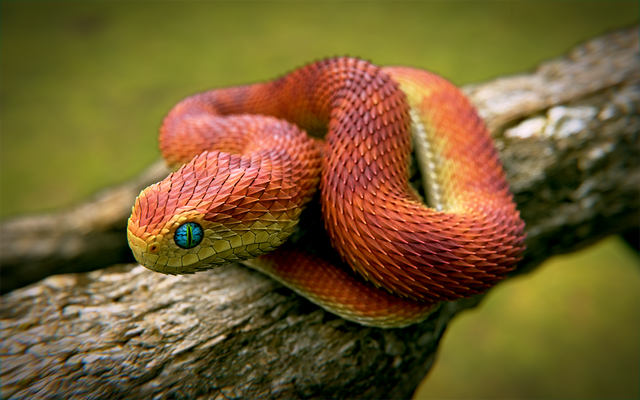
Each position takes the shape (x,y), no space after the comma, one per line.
(188,235)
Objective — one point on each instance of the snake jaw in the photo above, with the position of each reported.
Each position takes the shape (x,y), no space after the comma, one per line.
(219,247)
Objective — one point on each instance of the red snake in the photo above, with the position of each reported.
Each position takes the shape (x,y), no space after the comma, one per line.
(249,171)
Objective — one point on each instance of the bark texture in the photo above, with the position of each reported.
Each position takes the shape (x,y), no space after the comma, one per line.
(568,136)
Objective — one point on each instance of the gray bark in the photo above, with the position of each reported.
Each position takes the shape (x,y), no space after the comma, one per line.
(568,136)
(83,238)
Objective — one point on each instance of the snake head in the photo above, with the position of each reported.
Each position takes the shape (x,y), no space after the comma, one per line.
(206,215)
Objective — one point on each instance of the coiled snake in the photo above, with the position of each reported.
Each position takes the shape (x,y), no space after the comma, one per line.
(249,171)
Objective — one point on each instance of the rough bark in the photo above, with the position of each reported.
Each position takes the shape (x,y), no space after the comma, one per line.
(83,238)
(568,136)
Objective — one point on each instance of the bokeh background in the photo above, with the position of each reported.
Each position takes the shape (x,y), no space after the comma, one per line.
(85,85)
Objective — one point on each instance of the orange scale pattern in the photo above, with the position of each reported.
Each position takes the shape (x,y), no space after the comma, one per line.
(252,175)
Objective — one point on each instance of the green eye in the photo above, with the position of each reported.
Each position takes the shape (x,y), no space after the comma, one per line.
(188,235)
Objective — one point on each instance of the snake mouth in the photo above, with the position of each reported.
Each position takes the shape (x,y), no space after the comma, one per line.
(159,256)
(201,265)
(187,264)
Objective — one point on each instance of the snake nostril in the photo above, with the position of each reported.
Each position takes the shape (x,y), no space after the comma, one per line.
(153,248)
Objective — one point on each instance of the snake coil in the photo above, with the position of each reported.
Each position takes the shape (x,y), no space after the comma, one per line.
(250,168)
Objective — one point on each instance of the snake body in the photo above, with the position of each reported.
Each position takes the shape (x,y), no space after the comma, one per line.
(249,169)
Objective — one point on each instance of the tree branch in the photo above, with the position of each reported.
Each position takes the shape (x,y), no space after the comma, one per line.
(568,136)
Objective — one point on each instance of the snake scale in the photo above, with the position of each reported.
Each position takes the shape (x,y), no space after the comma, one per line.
(253,156)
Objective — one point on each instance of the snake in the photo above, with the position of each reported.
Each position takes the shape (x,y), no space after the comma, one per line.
(248,159)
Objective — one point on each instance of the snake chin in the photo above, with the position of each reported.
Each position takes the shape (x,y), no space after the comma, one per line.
(158,251)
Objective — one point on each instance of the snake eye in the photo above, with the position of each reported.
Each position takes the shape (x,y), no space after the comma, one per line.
(188,235)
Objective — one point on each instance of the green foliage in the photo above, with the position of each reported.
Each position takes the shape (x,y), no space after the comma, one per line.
(85,85)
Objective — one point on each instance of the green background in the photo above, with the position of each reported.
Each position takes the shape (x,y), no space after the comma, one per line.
(85,85)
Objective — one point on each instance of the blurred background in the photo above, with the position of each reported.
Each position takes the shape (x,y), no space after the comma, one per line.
(85,85)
